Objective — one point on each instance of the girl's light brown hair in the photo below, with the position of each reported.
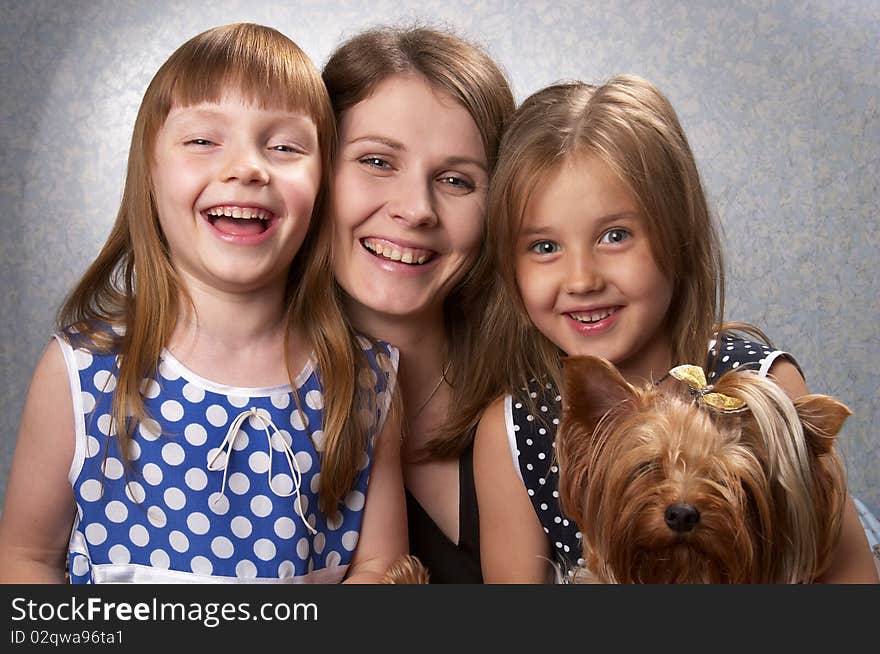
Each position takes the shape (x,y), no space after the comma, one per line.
(629,125)
(465,72)
(132,284)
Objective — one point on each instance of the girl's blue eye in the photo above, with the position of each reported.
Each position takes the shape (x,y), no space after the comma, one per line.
(544,247)
(614,236)
(199,142)
(284,148)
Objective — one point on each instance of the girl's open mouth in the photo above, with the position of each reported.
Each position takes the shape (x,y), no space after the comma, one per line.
(239,221)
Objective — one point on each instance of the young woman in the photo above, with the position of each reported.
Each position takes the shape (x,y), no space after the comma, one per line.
(420,113)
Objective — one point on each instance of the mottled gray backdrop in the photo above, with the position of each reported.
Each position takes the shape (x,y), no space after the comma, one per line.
(779,99)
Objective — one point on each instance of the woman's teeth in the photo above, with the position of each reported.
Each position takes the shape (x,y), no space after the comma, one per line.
(397,252)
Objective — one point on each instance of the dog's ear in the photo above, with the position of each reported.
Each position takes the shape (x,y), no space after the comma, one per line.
(590,387)
(822,417)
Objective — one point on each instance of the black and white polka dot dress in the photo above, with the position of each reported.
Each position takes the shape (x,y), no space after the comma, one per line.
(531,437)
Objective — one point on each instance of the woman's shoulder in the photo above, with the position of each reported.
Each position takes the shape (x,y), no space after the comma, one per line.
(732,350)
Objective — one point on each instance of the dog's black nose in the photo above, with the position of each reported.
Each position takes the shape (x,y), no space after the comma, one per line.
(681,517)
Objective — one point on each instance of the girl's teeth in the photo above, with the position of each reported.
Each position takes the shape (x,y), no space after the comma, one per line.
(245,213)
(591,317)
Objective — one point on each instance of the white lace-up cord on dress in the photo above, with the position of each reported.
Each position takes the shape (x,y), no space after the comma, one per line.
(226,447)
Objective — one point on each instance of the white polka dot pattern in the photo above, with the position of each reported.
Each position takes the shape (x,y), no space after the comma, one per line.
(88,401)
(178,541)
(119,554)
(198,523)
(80,565)
(152,474)
(104,381)
(244,569)
(150,388)
(135,492)
(195,434)
(193,394)
(242,527)
(202,566)
(196,479)
(222,547)
(285,528)
(259,462)
(282,484)
(169,512)
(315,400)
(239,483)
(159,559)
(96,533)
(139,535)
(281,400)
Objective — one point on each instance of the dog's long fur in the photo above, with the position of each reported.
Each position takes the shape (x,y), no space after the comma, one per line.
(767,483)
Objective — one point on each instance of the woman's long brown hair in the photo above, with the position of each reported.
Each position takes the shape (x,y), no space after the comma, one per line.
(467,74)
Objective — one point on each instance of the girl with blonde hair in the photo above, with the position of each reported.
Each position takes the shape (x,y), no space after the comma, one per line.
(604,245)
(203,414)
(420,114)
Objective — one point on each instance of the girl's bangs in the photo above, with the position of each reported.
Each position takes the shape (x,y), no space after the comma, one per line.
(268,82)
(264,66)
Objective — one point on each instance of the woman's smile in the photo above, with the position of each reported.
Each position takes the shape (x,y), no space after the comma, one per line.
(408,201)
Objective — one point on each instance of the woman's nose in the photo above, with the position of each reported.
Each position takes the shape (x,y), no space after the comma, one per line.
(413,203)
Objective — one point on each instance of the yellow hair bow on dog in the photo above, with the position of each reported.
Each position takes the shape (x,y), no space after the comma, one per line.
(694,377)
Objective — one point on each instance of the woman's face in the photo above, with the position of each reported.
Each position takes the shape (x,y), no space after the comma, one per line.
(409,195)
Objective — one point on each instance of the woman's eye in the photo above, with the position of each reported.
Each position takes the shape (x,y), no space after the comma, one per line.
(458,184)
(544,247)
(375,162)
(614,236)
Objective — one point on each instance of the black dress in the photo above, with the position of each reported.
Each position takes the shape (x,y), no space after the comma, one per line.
(447,562)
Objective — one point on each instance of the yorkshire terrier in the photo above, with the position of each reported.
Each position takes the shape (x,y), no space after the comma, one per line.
(731,483)
(406,570)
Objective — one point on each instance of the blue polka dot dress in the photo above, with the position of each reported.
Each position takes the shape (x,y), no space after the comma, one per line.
(224,481)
